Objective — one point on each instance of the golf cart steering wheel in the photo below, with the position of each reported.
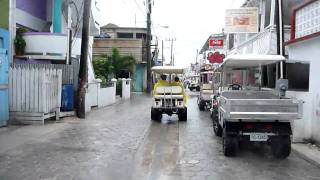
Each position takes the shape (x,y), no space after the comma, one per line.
(236,87)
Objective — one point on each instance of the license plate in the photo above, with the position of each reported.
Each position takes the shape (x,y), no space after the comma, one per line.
(258,137)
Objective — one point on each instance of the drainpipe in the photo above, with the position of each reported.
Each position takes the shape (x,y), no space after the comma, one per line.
(57,16)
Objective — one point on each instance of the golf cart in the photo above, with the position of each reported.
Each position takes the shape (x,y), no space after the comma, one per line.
(169,96)
(248,112)
(208,82)
(194,83)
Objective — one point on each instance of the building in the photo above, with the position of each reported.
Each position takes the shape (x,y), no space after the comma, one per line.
(4,61)
(265,42)
(129,41)
(52,33)
(303,50)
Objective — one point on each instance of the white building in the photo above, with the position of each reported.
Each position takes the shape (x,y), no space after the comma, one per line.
(304,47)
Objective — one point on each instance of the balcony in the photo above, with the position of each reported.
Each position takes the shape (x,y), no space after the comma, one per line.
(49,46)
(42,45)
(262,43)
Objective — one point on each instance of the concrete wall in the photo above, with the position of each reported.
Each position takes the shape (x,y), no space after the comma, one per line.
(100,97)
(308,50)
(4,14)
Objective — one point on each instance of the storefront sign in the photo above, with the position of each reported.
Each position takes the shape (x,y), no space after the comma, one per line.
(243,20)
(215,57)
(213,43)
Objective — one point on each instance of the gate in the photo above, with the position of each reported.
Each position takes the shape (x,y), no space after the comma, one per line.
(4,94)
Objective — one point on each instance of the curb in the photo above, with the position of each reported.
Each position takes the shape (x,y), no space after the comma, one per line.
(305,157)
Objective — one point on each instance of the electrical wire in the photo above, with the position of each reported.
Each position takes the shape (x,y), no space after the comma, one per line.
(139,7)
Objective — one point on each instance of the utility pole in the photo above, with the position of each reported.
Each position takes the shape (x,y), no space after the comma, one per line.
(171,58)
(149,46)
(197,56)
(83,72)
(280,34)
(162,53)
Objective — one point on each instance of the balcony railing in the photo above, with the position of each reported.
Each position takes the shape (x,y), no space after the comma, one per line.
(262,43)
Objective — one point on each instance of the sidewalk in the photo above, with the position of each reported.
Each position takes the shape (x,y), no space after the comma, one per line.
(308,152)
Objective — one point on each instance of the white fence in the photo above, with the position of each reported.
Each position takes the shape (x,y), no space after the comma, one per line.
(100,97)
(126,88)
(34,93)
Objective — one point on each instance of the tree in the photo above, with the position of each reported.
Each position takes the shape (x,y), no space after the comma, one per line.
(107,67)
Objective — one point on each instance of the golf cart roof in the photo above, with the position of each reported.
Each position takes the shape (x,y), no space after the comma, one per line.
(168,70)
(251,60)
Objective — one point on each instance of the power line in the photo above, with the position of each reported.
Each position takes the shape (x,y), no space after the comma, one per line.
(139,7)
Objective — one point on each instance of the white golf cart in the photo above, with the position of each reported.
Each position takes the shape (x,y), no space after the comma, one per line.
(248,112)
(168,96)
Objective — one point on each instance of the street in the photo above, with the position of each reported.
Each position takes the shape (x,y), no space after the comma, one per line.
(120,142)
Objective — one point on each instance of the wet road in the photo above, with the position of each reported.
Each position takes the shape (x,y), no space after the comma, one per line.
(120,142)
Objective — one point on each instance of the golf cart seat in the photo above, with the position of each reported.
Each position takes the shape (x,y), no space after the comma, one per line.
(174,92)
(206,86)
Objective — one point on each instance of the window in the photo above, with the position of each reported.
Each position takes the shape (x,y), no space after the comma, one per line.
(141,36)
(298,76)
(1,42)
(125,35)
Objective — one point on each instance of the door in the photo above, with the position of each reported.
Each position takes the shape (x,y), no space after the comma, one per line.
(139,77)
(4,85)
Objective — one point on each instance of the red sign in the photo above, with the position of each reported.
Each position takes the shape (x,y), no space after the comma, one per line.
(216,43)
(215,57)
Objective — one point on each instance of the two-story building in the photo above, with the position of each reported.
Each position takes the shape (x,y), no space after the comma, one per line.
(265,42)
(303,47)
(129,41)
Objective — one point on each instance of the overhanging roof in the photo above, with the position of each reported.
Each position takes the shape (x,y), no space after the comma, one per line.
(251,60)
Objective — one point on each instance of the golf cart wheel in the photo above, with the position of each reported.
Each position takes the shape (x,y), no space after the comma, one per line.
(217,128)
(281,146)
(198,88)
(201,105)
(229,144)
(183,115)
(156,115)
(191,89)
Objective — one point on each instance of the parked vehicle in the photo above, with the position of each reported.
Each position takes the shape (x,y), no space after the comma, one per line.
(194,83)
(246,112)
(207,89)
(168,95)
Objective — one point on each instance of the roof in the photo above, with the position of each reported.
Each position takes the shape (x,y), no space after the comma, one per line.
(113,26)
(205,47)
(168,70)
(251,60)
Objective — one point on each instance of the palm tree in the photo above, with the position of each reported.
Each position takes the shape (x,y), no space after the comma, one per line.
(106,66)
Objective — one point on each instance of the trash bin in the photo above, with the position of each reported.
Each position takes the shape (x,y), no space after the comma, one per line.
(67,97)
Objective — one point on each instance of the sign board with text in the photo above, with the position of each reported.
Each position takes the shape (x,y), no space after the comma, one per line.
(216,43)
(242,20)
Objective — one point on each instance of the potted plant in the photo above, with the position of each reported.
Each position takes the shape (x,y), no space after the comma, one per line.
(19,42)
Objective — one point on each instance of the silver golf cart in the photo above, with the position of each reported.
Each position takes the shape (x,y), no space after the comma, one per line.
(194,83)
(208,88)
(168,97)
(248,112)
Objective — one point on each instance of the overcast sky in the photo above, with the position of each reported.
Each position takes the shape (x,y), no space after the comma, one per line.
(190,22)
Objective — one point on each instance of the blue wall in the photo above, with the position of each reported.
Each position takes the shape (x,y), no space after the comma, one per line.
(57,16)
